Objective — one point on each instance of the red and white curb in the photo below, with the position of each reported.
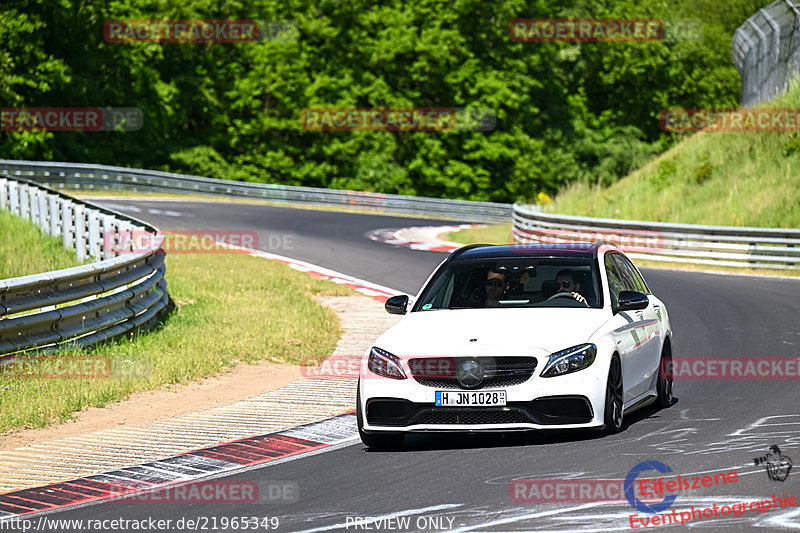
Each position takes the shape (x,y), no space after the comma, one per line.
(420,237)
(212,462)
(367,288)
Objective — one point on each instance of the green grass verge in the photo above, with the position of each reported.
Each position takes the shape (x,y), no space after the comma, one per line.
(739,179)
(491,234)
(25,250)
(231,308)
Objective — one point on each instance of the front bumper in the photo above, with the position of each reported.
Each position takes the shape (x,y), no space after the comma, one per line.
(571,401)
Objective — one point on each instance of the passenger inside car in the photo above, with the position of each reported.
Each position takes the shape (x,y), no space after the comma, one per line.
(496,286)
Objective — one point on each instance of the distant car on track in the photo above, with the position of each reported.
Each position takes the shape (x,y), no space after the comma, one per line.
(518,337)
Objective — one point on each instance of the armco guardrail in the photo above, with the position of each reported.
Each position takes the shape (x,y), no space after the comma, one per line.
(65,175)
(766,51)
(685,243)
(87,304)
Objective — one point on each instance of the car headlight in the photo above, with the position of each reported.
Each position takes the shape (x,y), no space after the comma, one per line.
(570,360)
(385,364)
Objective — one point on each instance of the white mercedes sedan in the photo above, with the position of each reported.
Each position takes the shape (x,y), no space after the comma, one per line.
(520,337)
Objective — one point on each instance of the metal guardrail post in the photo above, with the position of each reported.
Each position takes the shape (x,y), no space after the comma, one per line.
(23,201)
(67,224)
(94,233)
(80,232)
(13,197)
(55,215)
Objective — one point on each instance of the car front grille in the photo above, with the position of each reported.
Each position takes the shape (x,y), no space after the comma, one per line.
(472,417)
(440,372)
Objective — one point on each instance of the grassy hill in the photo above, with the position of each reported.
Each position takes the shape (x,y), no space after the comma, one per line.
(737,179)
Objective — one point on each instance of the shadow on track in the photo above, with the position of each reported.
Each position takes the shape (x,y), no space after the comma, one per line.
(416,442)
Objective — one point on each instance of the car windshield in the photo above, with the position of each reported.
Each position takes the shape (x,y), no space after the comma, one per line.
(513,282)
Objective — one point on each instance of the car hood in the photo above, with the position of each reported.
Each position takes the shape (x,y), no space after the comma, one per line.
(514,331)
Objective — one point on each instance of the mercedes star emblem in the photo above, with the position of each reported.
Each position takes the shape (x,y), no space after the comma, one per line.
(470,374)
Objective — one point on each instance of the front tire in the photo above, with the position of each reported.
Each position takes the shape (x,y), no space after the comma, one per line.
(378,441)
(664,384)
(614,398)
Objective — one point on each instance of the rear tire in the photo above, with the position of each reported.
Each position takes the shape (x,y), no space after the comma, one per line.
(378,441)
(664,384)
(613,410)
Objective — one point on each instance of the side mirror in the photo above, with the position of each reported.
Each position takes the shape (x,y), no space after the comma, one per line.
(397,305)
(631,301)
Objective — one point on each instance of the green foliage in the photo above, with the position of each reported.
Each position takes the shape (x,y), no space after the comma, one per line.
(566,112)
(793,146)
(667,169)
(703,172)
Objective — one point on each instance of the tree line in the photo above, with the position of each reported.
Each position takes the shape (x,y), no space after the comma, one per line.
(561,111)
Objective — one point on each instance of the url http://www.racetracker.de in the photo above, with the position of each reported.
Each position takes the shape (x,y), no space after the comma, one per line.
(200,523)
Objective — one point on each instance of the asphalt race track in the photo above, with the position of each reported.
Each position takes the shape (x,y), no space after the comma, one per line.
(462,482)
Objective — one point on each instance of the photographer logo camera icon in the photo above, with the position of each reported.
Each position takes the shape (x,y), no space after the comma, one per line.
(775,463)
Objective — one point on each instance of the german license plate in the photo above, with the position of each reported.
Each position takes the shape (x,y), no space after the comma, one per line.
(470,398)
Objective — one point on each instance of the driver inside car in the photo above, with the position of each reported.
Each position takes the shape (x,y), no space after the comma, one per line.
(565,280)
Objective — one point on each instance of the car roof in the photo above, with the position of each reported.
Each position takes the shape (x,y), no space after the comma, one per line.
(580,250)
